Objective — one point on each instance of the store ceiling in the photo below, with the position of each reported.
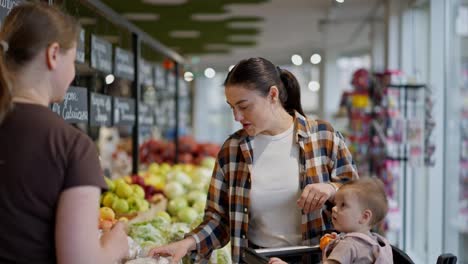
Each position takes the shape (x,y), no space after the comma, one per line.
(218,33)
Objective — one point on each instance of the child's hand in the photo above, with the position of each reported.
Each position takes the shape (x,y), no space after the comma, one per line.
(276,261)
(326,239)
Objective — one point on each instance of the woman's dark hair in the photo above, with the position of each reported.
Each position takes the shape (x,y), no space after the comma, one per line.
(27,30)
(260,74)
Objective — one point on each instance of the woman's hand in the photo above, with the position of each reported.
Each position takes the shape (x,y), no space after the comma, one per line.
(276,261)
(116,238)
(314,196)
(176,250)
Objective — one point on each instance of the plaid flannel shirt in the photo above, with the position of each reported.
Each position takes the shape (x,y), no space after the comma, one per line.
(323,157)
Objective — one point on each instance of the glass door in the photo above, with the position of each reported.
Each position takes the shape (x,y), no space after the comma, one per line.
(456,161)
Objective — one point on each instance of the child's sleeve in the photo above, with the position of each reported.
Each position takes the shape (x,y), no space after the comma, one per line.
(343,252)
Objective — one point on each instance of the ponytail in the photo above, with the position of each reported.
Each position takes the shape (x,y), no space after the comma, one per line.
(5,86)
(292,101)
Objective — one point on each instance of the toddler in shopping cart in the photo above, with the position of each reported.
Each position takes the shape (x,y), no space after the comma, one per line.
(359,206)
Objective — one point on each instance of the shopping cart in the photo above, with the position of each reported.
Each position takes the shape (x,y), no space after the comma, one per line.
(291,255)
(312,255)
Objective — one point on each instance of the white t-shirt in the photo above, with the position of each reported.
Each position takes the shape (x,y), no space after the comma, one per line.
(275,218)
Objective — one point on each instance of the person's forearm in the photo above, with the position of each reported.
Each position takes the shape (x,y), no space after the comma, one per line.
(191,243)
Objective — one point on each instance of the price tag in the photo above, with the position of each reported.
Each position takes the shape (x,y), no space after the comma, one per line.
(100,110)
(101,54)
(74,108)
(6,6)
(124,65)
(80,49)
(146,116)
(124,111)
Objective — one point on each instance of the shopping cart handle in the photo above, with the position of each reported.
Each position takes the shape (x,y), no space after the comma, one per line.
(285,251)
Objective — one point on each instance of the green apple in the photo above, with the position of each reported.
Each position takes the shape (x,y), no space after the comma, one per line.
(108,198)
(194,196)
(153,168)
(176,204)
(199,206)
(143,205)
(110,184)
(164,215)
(119,181)
(187,215)
(120,206)
(124,190)
(138,191)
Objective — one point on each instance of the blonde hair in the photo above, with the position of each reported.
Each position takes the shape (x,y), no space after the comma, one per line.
(371,195)
(28,29)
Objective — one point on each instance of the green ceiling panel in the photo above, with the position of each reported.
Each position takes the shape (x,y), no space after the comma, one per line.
(179,18)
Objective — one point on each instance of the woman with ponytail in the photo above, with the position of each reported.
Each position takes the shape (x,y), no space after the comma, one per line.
(275,179)
(50,176)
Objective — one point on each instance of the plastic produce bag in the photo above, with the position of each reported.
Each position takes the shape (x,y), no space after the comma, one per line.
(159,260)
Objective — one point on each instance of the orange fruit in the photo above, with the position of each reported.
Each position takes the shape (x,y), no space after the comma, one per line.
(325,240)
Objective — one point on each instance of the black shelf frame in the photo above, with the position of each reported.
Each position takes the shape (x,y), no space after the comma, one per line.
(139,37)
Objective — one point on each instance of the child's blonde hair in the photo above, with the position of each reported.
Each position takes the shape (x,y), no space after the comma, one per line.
(371,195)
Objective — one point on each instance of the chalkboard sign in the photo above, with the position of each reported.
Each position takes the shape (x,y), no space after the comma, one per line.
(146,115)
(80,49)
(146,73)
(101,54)
(159,81)
(74,108)
(100,110)
(6,6)
(124,66)
(124,111)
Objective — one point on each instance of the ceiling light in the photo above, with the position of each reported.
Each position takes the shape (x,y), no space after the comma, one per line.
(210,73)
(110,79)
(340,1)
(210,17)
(165,2)
(315,58)
(188,76)
(185,34)
(141,16)
(231,67)
(314,86)
(296,60)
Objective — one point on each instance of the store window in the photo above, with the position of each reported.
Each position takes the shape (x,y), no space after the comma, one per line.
(414,186)
(456,174)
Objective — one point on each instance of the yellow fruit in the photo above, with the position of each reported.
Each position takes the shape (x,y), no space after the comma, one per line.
(108,199)
(127,179)
(164,215)
(153,168)
(156,182)
(106,213)
(325,240)
(120,206)
(105,225)
(138,191)
(110,184)
(123,190)
(123,219)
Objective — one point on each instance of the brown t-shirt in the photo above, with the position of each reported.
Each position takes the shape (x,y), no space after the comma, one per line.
(40,156)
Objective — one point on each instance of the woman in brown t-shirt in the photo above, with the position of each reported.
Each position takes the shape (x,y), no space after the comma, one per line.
(50,177)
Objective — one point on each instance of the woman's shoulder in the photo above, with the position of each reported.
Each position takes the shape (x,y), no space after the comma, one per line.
(315,125)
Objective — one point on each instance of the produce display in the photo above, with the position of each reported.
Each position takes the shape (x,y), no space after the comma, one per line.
(190,151)
(138,199)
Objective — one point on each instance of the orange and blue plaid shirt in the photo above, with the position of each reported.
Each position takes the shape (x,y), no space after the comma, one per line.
(323,157)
